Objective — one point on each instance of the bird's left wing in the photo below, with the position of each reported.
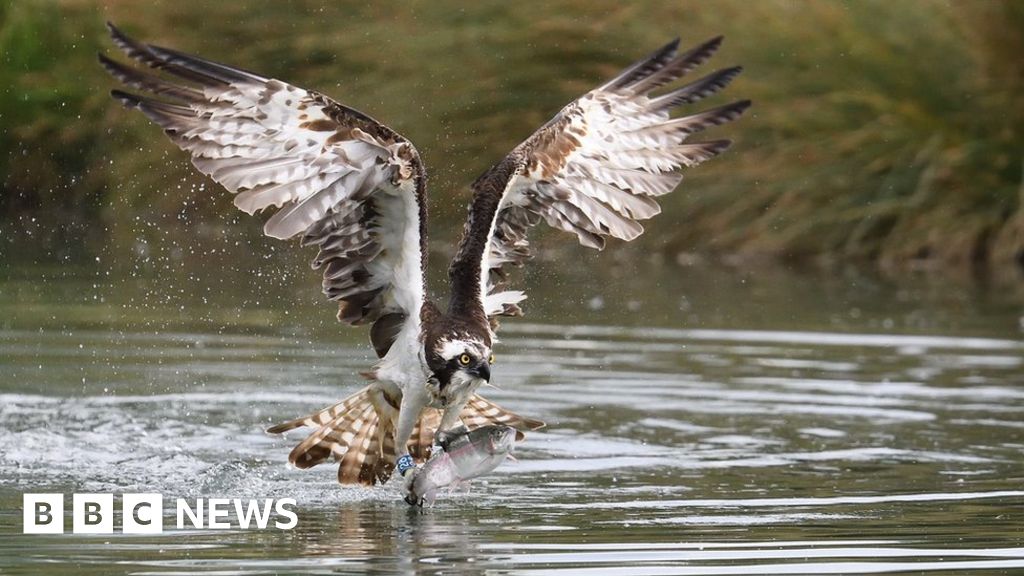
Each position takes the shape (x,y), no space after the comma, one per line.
(341,181)
(594,170)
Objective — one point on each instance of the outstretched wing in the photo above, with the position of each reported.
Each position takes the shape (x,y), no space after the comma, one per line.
(339,179)
(594,170)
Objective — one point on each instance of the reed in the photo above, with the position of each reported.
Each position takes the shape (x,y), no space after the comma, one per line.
(891,132)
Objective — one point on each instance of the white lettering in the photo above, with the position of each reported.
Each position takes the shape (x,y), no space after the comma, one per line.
(262,516)
(92,514)
(218,509)
(142,513)
(42,513)
(282,511)
(195,516)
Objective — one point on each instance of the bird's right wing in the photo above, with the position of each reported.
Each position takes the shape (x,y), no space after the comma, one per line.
(339,180)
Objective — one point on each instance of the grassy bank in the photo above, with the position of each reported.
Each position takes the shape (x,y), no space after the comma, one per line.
(888,132)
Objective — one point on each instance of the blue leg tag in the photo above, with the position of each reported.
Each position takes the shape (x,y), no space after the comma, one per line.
(404,463)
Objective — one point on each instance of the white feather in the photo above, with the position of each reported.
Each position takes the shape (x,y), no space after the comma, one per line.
(495,303)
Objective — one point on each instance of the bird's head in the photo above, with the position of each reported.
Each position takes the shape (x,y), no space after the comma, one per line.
(460,363)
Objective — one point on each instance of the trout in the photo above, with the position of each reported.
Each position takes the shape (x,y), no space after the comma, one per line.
(464,455)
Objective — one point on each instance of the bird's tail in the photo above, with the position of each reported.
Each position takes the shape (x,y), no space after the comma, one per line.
(353,433)
(350,432)
(480,411)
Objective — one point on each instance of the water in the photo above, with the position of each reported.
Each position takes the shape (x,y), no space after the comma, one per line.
(700,421)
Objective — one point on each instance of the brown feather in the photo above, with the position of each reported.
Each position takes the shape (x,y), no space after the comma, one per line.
(422,438)
(322,417)
(352,433)
(350,470)
(330,173)
(593,170)
(331,439)
(481,412)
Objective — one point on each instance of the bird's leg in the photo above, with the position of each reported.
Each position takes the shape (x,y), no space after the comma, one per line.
(450,418)
(414,400)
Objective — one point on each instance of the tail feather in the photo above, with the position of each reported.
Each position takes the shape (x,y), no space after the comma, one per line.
(388,452)
(480,412)
(423,434)
(324,416)
(353,433)
(350,432)
(333,438)
(363,462)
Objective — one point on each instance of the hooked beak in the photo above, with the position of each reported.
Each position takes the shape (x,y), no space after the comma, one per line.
(482,371)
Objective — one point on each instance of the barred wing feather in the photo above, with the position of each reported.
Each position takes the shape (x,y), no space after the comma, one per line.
(595,170)
(338,179)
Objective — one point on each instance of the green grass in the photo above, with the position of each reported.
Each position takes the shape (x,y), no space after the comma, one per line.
(891,132)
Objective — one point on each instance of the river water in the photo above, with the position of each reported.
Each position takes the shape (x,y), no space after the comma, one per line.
(701,420)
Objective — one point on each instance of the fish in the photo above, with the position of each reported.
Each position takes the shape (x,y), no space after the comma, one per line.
(464,455)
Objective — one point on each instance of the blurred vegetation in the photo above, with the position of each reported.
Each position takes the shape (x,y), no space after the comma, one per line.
(890,132)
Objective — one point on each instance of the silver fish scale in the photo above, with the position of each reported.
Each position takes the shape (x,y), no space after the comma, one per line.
(465,456)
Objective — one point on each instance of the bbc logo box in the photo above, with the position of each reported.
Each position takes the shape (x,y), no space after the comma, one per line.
(144,513)
(43,513)
(92,513)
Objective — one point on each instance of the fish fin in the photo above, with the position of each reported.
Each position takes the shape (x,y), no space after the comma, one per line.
(444,438)
(429,497)
(481,412)
(461,487)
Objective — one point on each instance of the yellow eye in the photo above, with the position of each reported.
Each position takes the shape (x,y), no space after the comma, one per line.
(490,359)
(464,359)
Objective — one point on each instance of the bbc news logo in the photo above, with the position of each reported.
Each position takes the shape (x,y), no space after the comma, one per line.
(144,513)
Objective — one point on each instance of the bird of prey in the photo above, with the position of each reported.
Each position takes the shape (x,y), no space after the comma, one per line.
(355,189)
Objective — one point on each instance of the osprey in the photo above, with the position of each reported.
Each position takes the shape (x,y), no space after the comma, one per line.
(356,190)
